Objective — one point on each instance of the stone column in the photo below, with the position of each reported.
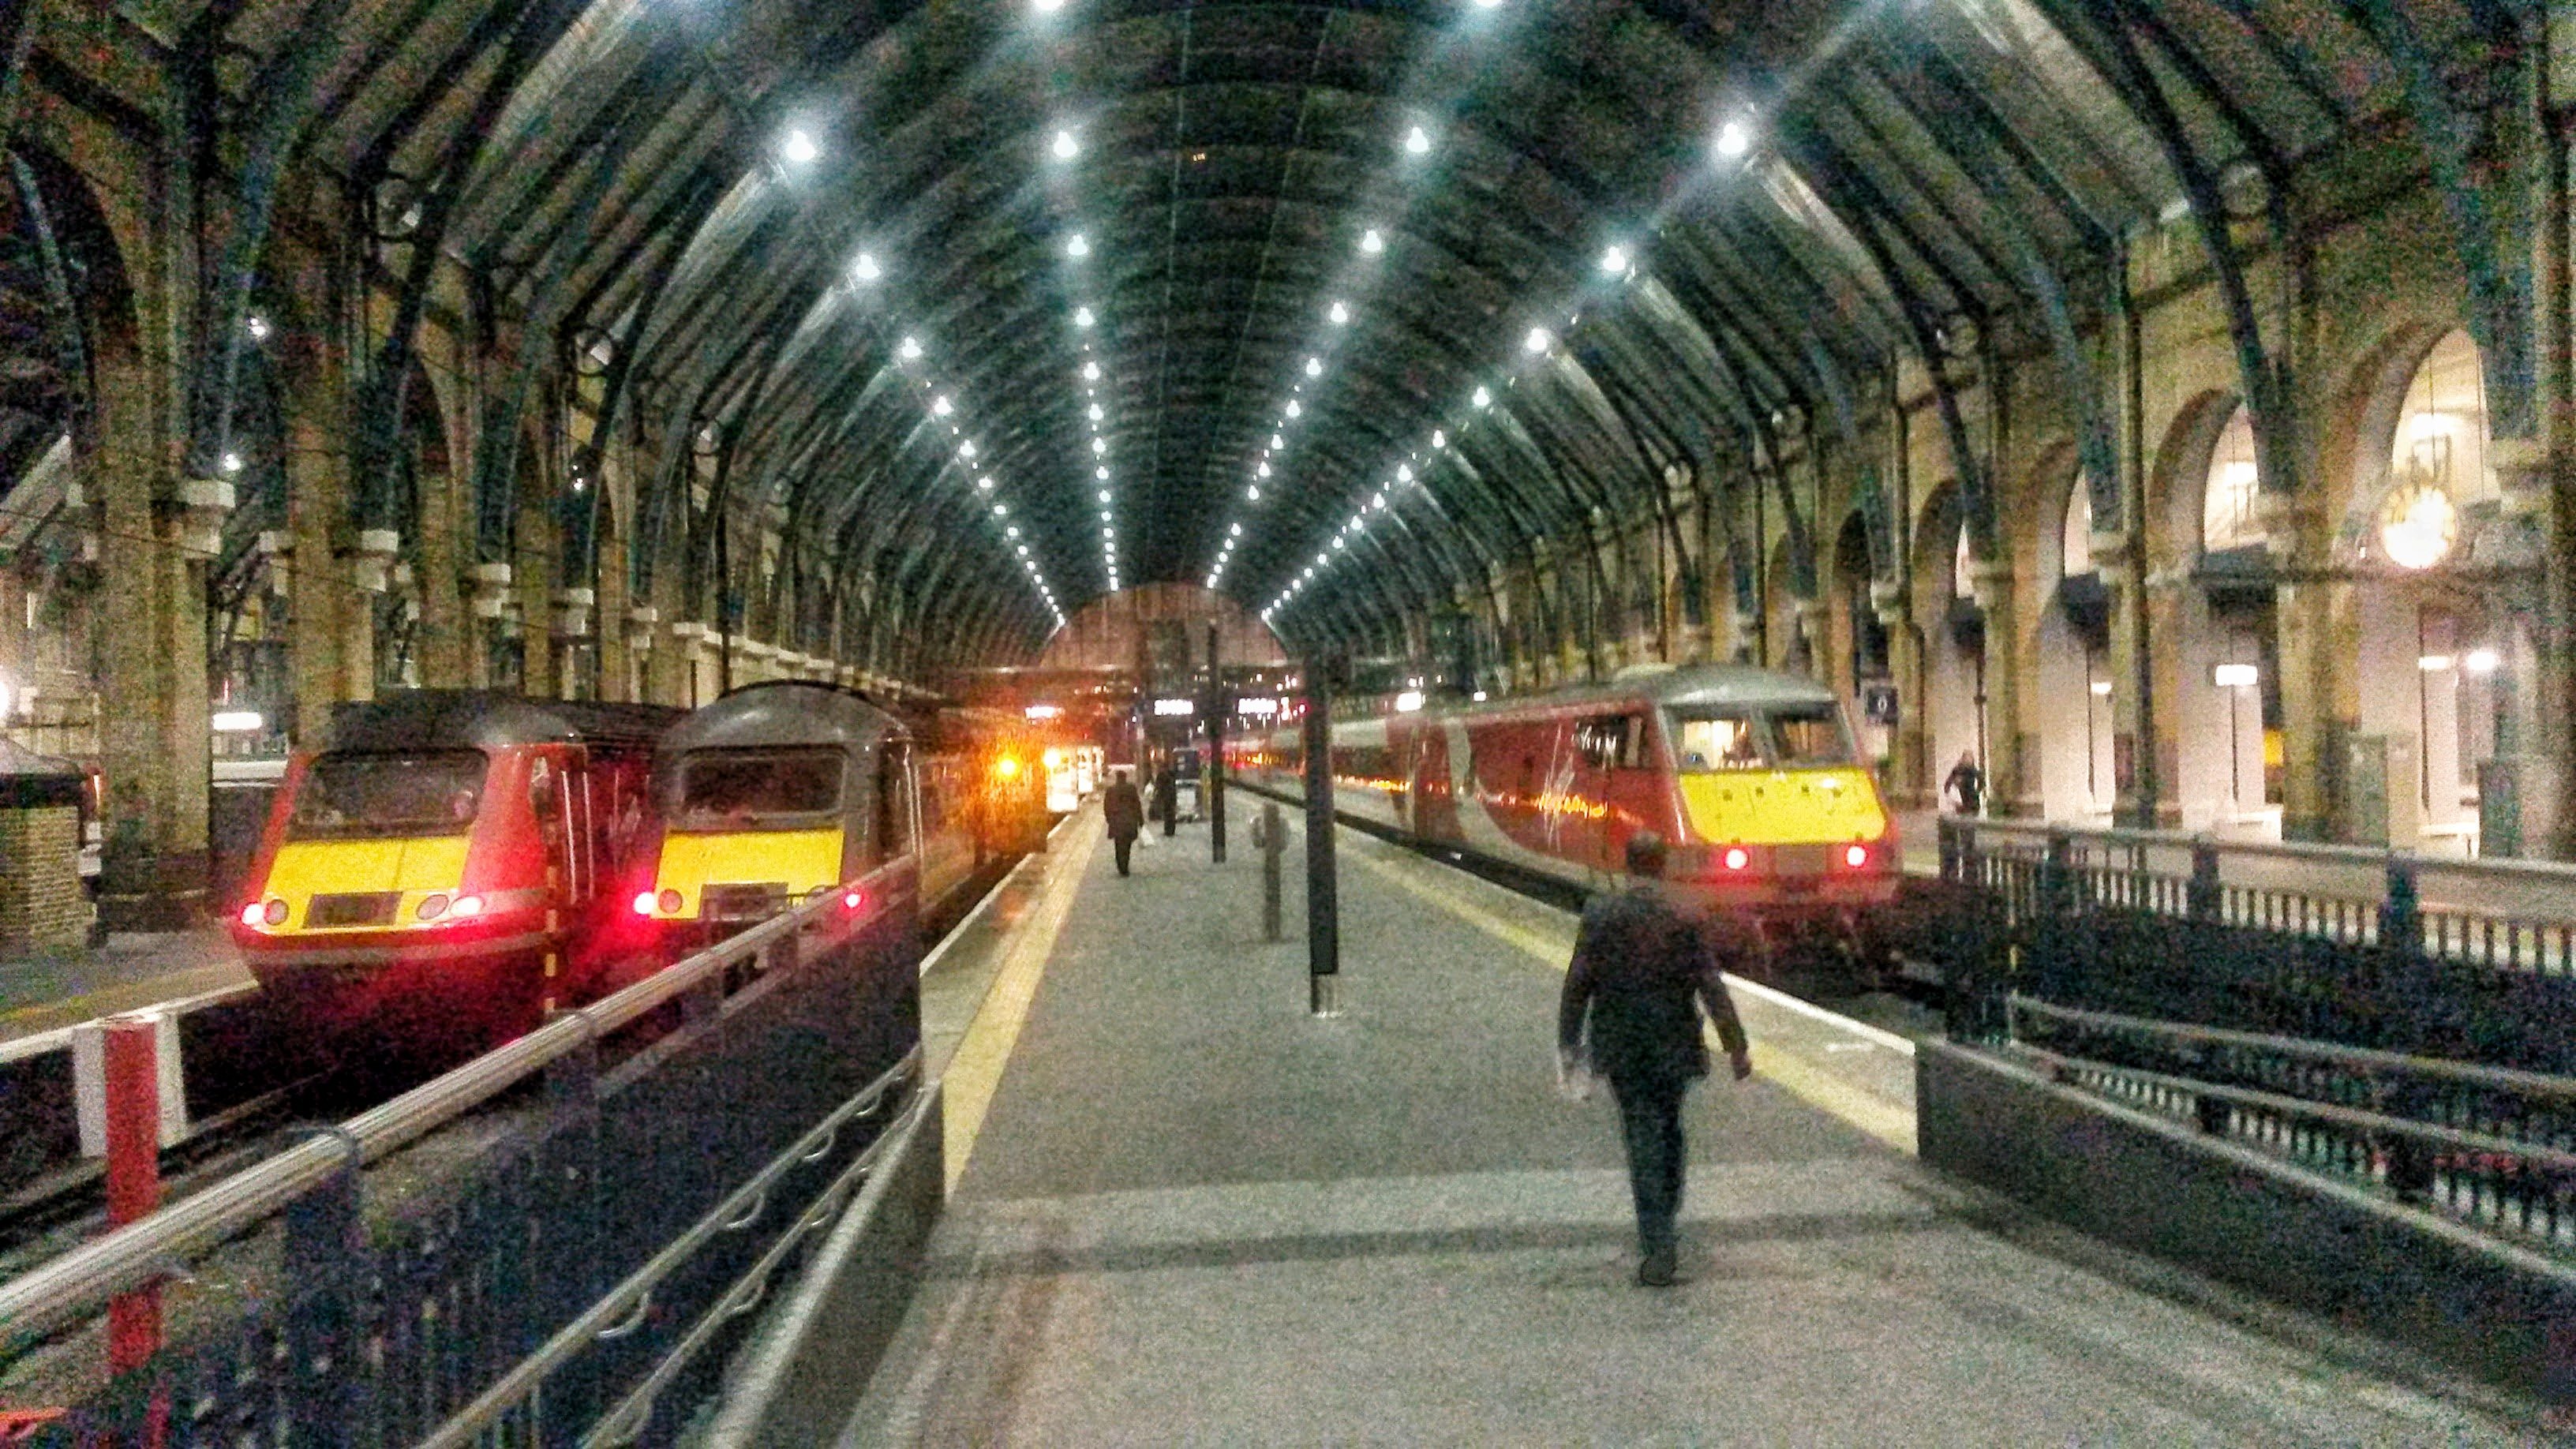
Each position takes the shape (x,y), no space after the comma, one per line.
(371,565)
(1814,626)
(640,621)
(2539,494)
(572,616)
(491,610)
(2139,788)
(1906,773)
(2008,783)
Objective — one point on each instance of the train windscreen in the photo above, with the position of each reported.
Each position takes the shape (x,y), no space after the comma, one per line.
(746,789)
(1808,736)
(361,797)
(1708,738)
(1717,739)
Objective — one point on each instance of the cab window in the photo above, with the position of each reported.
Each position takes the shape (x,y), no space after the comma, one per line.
(388,796)
(1716,738)
(750,789)
(1806,737)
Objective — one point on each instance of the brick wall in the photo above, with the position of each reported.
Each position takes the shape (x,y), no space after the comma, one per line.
(41,905)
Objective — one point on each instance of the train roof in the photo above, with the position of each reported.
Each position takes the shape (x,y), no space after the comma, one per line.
(786,712)
(486,719)
(1686,684)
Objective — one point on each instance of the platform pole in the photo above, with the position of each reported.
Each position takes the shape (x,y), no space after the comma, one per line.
(133,1080)
(1273,841)
(1323,907)
(1215,775)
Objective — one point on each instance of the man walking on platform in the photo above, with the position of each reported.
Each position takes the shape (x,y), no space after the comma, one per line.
(1167,797)
(1124,812)
(1638,964)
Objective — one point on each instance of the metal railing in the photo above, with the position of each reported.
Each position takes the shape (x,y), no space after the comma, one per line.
(2493,1149)
(2304,1000)
(385,1317)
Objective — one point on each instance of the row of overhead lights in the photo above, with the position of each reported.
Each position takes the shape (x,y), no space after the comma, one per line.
(798,149)
(1415,144)
(1064,149)
(1618,264)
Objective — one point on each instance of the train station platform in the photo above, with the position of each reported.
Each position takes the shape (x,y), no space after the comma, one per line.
(1183,1210)
(129,971)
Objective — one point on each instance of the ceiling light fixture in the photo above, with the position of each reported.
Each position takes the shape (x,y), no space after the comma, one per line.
(1340,315)
(1066,147)
(1082,317)
(1482,399)
(1734,139)
(1537,341)
(799,149)
(1371,242)
(1077,246)
(910,351)
(1314,367)
(1614,261)
(1417,142)
(865,268)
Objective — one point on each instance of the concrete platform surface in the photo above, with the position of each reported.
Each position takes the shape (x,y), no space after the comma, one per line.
(1192,1214)
(133,970)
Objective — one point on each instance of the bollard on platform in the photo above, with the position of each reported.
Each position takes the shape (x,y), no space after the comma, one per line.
(1273,842)
(131,1076)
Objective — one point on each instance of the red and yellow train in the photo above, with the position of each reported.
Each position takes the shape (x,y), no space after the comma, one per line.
(452,865)
(1750,775)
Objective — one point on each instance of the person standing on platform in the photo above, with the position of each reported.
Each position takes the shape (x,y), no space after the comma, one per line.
(1124,812)
(1967,784)
(1639,962)
(1167,796)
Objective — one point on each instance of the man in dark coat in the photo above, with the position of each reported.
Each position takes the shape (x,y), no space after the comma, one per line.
(1967,784)
(1167,796)
(1124,811)
(1638,964)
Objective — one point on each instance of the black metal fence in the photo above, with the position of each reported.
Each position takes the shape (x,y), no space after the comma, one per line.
(380,1291)
(2309,1002)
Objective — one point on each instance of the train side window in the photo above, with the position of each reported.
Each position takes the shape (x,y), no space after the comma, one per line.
(1612,741)
(894,802)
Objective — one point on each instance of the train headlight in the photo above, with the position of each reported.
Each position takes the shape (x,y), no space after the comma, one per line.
(466,906)
(254,914)
(644,902)
(1855,855)
(1737,857)
(432,907)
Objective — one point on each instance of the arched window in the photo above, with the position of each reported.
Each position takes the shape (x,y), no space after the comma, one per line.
(2227,499)
(2438,459)
(2076,539)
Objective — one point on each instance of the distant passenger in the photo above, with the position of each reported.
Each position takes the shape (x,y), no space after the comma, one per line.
(1967,784)
(1639,962)
(1167,796)
(1124,811)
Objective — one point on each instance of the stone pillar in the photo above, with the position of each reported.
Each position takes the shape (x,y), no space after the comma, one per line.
(1814,629)
(1906,768)
(491,610)
(2008,782)
(571,632)
(640,621)
(2542,683)
(371,566)
(42,906)
(2136,779)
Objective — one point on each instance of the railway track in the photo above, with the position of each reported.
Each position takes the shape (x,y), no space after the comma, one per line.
(62,1208)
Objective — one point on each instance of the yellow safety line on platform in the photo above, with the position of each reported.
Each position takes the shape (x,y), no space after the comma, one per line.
(975,1069)
(1871,1114)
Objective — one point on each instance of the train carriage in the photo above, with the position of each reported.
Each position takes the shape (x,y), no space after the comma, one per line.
(1750,774)
(773,795)
(449,865)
